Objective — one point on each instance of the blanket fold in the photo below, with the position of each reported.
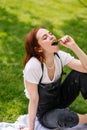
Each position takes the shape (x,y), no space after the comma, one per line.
(22,121)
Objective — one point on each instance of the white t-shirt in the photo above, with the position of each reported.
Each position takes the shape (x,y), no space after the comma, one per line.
(33,71)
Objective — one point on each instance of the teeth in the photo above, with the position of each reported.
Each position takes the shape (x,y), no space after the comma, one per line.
(54,43)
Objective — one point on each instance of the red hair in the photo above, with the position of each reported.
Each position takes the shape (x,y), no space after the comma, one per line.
(32,47)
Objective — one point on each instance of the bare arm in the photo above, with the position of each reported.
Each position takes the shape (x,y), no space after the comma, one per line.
(33,104)
(79,64)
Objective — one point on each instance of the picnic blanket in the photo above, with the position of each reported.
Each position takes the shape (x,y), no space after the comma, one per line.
(22,121)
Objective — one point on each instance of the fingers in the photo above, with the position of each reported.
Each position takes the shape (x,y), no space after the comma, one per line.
(64,39)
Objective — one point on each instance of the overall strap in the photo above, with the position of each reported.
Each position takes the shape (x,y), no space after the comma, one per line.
(59,58)
(61,63)
(42,66)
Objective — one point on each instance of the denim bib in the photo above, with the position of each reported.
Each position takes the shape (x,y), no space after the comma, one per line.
(49,94)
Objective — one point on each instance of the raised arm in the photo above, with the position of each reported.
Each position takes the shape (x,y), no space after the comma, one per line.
(79,64)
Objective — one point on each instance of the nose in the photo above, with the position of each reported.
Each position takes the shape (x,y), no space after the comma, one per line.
(51,37)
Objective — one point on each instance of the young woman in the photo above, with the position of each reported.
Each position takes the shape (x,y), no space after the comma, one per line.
(48,96)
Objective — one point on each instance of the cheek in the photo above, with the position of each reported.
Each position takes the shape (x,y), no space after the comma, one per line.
(40,42)
(43,44)
(45,47)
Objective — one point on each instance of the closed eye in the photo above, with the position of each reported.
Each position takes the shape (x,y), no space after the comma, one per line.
(45,37)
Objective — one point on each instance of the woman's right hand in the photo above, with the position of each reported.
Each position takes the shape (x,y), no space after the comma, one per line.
(67,41)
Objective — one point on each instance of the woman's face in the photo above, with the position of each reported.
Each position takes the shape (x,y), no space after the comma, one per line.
(45,40)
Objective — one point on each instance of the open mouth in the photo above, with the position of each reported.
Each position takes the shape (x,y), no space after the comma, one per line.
(54,43)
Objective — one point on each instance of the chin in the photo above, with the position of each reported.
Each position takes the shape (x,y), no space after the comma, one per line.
(56,50)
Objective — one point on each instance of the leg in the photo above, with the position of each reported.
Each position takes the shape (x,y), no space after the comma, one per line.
(59,118)
(73,84)
(83,84)
(82,118)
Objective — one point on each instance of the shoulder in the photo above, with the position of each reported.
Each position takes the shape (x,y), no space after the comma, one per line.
(65,57)
(33,71)
(33,63)
(62,53)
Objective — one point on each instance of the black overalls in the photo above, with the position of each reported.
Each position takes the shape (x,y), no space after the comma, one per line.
(55,97)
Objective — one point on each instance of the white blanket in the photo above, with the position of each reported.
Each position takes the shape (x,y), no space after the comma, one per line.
(22,121)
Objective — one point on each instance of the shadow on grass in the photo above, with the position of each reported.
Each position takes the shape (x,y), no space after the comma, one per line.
(11,45)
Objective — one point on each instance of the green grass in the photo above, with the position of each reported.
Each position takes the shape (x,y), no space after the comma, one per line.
(17,17)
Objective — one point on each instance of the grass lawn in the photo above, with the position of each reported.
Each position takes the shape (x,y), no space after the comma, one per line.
(17,17)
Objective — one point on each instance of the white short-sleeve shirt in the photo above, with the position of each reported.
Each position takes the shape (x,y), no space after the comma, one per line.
(33,71)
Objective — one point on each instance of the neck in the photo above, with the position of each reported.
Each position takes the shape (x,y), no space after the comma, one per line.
(49,61)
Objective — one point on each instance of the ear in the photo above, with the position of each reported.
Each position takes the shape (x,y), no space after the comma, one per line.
(38,49)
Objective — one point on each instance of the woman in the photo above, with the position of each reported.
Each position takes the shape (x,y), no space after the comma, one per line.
(49,96)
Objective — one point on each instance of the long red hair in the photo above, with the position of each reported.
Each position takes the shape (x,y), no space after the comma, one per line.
(32,47)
